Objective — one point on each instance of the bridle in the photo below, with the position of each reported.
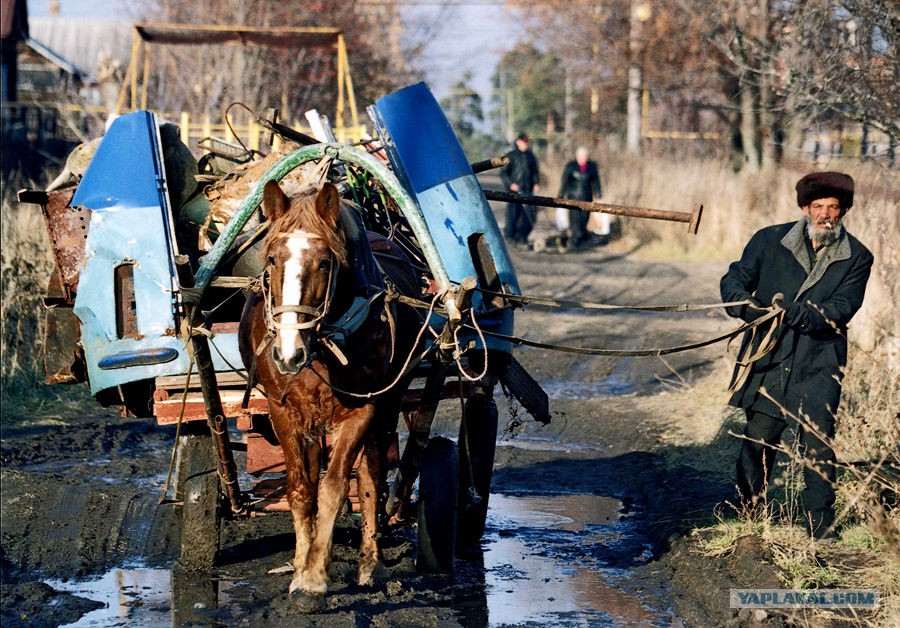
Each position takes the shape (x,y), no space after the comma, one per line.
(318,314)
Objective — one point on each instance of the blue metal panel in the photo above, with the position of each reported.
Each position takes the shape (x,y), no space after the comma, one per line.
(429,161)
(126,169)
(124,186)
(424,141)
(142,357)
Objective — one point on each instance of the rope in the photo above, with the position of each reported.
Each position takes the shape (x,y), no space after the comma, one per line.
(774,313)
(189,349)
(562,303)
(184,394)
(744,363)
(458,353)
(408,365)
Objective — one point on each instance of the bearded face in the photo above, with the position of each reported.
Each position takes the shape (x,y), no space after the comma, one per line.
(823,221)
(823,232)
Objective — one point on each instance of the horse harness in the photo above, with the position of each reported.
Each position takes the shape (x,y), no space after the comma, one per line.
(333,336)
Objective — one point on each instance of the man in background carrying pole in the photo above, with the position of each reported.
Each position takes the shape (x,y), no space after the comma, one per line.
(521,176)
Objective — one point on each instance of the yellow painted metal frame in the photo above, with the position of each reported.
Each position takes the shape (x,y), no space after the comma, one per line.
(140,55)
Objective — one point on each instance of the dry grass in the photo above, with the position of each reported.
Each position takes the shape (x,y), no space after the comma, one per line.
(868,438)
(25,265)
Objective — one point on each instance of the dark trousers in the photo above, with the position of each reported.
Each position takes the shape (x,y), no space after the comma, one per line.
(578,221)
(520,221)
(755,463)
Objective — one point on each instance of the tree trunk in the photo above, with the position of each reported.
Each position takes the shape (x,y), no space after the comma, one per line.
(749,126)
(633,123)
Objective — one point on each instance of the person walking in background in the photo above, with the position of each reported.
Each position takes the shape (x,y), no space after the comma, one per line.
(520,175)
(816,272)
(580,182)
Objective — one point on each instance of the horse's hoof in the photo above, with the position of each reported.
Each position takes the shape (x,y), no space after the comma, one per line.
(378,575)
(308,602)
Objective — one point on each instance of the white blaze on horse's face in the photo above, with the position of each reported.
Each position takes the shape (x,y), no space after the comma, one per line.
(289,339)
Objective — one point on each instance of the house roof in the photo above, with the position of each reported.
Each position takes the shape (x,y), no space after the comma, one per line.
(77,46)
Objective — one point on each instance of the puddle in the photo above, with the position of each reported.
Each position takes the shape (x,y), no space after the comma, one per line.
(619,383)
(544,444)
(545,564)
(143,598)
(133,597)
(547,560)
(628,377)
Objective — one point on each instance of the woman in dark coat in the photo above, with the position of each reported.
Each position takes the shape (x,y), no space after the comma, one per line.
(581,182)
(817,272)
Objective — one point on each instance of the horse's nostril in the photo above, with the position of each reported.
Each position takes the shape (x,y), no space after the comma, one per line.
(291,365)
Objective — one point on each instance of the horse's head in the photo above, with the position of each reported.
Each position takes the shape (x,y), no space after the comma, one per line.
(305,248)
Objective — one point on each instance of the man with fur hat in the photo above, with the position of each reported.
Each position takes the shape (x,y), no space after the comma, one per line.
(816,274)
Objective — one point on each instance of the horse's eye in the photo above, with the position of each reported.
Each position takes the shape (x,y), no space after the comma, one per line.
(325,264)
(271,260)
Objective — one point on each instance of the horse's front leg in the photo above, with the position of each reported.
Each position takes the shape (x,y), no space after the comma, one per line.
(301,460)
(302,503)
(332,495)
(369,479)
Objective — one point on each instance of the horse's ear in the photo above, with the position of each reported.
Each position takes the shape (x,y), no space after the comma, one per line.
(328,203)
(275,203)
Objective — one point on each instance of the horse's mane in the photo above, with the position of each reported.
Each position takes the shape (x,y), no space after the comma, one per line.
(302,215)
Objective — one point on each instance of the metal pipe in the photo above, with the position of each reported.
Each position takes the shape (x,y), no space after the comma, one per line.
(692,218)
(490,164)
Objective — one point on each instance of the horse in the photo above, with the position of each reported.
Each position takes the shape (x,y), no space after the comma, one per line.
(322,374)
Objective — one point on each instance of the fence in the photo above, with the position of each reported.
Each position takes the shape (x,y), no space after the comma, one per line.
(37,136)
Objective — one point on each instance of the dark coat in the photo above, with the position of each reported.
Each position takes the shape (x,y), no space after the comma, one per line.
(521,169)
(803,372)
(578,185)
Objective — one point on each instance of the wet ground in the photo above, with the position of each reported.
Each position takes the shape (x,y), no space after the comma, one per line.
(584,517)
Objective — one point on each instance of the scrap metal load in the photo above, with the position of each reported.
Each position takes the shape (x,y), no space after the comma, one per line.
(134,253)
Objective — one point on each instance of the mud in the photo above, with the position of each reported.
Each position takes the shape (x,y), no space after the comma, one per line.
(585,526)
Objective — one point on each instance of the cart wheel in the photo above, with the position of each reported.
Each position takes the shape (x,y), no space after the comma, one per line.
(437,506)
(477,443)
(199,491)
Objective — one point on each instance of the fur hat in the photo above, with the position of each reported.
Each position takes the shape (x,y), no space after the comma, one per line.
(825,185)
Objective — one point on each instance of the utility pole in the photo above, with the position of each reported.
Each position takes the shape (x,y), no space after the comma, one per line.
(640,13)
(510,113)
(569,120)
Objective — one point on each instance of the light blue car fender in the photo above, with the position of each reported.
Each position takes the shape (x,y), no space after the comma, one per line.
(131,241)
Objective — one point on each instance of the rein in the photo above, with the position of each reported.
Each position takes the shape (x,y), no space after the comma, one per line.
(773,314)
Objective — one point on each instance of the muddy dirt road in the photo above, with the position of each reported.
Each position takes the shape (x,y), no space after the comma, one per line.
(582,516)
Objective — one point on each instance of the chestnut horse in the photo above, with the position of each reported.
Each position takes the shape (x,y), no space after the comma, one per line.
(313,387)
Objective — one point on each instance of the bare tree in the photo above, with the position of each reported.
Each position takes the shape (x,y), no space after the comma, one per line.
(844,63)
(799,64)
(207,78)
(767,71)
